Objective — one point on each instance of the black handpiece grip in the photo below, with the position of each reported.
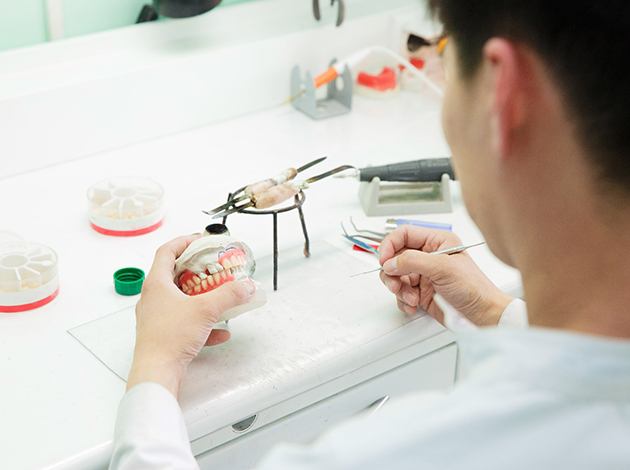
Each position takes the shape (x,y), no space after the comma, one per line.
(425,170)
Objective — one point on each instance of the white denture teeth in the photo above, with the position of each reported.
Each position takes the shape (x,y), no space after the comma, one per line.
(190,283)
(212,269)
(197,289)
(219,267)
(196,280)
(227,264)
(217,278)
(204,284)
(210,280)
(202,275)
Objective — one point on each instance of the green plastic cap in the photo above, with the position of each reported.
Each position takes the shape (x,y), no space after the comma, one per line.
(128,281)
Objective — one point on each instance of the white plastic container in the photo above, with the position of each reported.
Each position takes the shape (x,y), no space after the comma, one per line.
(28,274)
(126,206)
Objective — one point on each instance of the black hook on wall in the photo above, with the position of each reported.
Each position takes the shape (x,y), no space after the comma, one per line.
(175,9)
(341,12)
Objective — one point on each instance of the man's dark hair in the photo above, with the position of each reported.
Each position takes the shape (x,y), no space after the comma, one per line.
(586,46)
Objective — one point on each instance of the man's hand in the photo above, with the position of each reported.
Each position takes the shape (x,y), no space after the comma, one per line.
(171,327)
(414,276)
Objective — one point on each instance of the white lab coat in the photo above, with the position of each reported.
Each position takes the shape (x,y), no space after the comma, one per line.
(531,399)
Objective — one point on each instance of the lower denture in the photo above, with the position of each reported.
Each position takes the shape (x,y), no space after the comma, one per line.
(187,281)
(199,283)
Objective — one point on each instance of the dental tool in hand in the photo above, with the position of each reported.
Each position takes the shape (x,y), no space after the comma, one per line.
(444,251)
(276,194)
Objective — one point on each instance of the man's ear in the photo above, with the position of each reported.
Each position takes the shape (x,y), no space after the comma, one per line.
(507,84)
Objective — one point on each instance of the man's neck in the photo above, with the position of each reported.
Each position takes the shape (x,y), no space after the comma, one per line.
(583,283)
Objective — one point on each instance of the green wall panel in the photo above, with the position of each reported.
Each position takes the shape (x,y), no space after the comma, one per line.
(23,22)
(88,16)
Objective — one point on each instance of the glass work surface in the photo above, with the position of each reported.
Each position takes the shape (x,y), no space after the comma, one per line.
(303,333)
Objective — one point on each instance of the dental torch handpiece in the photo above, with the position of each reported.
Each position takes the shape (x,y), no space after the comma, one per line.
(425,170)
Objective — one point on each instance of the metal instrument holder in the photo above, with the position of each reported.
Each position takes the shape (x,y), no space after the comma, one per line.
(298,199)
(377,198)
(337,101)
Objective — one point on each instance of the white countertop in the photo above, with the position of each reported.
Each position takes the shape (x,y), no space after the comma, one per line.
(58,401)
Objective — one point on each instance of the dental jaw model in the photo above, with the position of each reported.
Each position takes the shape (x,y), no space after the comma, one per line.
(214,260)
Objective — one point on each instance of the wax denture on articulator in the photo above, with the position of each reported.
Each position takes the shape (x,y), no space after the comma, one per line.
(214,260)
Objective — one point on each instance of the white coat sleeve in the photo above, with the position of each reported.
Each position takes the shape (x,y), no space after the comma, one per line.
(515,315)
(150,432)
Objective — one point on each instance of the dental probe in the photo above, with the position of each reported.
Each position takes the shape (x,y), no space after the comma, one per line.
(444,251)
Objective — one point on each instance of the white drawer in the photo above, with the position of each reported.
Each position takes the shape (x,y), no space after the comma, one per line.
(430,372)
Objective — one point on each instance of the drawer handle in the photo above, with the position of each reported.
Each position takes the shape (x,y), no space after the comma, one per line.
(377,405)
(244,425)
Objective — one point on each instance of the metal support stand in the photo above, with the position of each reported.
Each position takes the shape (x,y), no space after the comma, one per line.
(297,204)
(307,243)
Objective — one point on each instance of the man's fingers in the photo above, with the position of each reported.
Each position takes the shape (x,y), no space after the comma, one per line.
(217,336)
(417,238)
(165,256)
(409,295)
(414,279)
(403,287)
(426,291)
(229,295)
(392,283)
(403,307)
(414,261)
(435,312)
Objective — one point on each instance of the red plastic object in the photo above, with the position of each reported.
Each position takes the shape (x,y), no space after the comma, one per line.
(417,62)
(31,306)
(358,248)
(384,81)
(127,233)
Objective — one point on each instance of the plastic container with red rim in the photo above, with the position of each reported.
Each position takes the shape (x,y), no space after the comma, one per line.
(28,274)
(126,206)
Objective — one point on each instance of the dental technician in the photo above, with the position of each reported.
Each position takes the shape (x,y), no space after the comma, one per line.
(537,113)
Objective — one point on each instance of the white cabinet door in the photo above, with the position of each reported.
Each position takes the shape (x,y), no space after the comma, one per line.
(431,372)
